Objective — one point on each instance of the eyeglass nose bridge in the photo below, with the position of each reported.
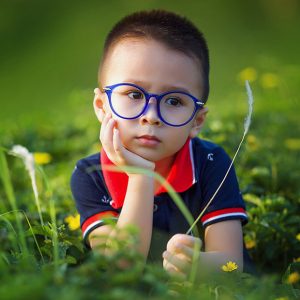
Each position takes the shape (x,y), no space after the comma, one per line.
(156,96)
(148,96)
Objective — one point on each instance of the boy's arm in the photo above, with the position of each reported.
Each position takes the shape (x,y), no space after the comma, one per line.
(225,238)
(223,243)
(137,209)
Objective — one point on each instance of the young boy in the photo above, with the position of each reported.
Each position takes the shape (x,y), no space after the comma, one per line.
(153,86)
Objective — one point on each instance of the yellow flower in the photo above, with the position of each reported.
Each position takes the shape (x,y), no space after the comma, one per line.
(216,125)
(73,221)
(293,278)
(297,259)
(282,298)
(252,142)
(42,158)
(298,236)
(292,144)
(249,74)
(269,80)
(229,267)
(250,244)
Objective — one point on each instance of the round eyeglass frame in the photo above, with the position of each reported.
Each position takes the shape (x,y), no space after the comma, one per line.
(109,90)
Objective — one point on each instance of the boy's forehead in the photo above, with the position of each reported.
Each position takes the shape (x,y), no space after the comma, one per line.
(148,60)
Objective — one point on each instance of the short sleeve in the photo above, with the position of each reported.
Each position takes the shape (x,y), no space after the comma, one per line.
(228,203)
(90,194)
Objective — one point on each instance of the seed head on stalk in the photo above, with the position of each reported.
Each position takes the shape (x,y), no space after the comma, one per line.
(247,123)
(28,160)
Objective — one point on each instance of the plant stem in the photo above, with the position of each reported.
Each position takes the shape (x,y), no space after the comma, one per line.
(6,180)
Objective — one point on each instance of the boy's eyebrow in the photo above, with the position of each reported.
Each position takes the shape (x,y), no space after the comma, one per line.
(164,88)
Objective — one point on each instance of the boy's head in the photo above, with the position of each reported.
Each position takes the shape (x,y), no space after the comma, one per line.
(154,80)
(175,32)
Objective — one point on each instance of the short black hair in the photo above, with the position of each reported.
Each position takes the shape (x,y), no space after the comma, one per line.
(173,30)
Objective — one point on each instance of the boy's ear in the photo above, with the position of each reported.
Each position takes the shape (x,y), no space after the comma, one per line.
(198,122)
(99,104)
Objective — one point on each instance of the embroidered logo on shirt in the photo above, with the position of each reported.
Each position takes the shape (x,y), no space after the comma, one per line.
(210,156)
(105,199)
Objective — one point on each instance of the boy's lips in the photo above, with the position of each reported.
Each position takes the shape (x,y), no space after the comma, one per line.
(148,140)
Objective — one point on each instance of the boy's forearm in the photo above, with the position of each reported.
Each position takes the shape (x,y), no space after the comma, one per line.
(137,209)
(211,262)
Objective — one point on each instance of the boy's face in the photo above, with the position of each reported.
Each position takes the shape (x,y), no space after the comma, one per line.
(157,69)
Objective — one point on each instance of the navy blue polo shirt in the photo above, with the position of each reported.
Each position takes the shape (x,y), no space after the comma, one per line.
(197,172)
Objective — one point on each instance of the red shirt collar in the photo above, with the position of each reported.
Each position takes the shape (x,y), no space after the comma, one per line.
(181,176)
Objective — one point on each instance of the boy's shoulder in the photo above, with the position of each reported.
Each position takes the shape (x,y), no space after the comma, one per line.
(88,161)
(204,151)
(204,146)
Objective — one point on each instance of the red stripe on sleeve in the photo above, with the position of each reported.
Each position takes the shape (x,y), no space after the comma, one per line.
(222,212)
(97,217)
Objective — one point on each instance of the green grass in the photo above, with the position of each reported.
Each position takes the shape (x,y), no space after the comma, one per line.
(46,105)
(268,179)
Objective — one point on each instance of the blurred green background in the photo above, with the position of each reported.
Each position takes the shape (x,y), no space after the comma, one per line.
(51,50)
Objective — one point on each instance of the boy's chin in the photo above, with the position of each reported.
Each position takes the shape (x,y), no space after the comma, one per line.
(153,158)
(151,155)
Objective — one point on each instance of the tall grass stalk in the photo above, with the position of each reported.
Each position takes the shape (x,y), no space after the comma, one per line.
(174,196)
(30,228)
(247,123)
(52,212)
(8,188)
(11,227)
(28,160)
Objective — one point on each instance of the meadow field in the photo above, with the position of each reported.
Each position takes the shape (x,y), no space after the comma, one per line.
(49,57)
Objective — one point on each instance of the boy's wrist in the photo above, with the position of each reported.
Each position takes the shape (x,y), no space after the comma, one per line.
(139,176)
(141,182)
(146,169)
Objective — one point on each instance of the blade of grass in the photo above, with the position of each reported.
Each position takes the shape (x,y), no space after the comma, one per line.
(14,240)
(247,123)
(30,228)
(52,212)
(173,194)
(8,188)
(28,160)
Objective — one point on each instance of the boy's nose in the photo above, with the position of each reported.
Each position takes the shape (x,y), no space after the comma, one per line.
(150,116)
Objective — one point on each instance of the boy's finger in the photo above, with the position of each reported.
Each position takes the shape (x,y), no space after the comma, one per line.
(117,144)
(107,138)
(185,250)
(97,91)
(183,239)
(103,126)
(175,273)
(181,264)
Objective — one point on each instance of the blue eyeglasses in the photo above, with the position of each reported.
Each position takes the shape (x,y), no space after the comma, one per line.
(130,101)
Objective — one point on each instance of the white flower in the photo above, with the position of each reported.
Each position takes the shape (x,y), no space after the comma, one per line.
(250,107)
(26,156)
(28,160)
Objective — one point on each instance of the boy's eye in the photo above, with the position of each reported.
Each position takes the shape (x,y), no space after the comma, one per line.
(173,101)
(136,95)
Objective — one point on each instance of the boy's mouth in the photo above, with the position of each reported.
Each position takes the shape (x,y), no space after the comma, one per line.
(148,140)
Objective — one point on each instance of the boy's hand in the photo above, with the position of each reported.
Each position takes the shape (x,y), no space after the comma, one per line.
(115,150)
(178,257)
